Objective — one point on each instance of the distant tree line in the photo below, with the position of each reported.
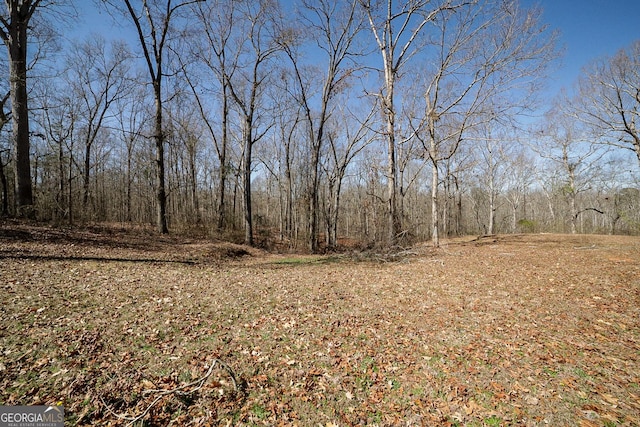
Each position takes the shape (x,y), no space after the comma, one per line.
(311,124)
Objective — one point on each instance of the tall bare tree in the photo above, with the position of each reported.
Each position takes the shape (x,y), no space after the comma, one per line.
(398,31)
(502,171)
(15,17)
(492,163)
(98,76)
(153,23)
(334,26)
(520,175)
(349,138)
(131,117)
(280,159)
(568,149)
(185,146)
(5,117)
(60,115)
(490,53)
(247,87)
(217,52)
(609,98)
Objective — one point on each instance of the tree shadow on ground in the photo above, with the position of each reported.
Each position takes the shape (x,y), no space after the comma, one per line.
(33,257)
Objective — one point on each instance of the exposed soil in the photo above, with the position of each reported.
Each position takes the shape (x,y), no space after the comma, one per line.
(124,326)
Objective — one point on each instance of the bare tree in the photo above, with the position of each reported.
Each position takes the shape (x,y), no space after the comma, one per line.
(503,170)
(492,165)
(152,21)
(185,135)
(5,117)
(398,31)
(456,170)
(344,145)
(567,148)
(410,159)
(60,115)
(280,159)
(519,177)
(609,99)
(622,206)
(130,116)
(491,53)
(334,25)
(14,30)
(217,49)
(98,76)
(247,87)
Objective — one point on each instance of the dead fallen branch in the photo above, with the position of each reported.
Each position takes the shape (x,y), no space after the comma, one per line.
(184,390)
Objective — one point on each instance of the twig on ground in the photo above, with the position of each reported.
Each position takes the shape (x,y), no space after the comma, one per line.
(112,412)
(182,391)
(584,247)
(436,260)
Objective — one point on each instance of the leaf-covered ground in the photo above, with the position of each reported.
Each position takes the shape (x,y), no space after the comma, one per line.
(532,330)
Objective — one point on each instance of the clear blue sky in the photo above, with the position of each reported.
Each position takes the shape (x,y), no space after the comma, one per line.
(589,29)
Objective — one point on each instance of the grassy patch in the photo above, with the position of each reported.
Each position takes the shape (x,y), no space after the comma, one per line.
(307,260)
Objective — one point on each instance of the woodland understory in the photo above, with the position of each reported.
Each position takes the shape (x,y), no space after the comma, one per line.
(308,125)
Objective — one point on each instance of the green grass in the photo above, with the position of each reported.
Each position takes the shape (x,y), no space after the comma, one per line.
(581,373)
(493,421)
(260,411)
(306,260)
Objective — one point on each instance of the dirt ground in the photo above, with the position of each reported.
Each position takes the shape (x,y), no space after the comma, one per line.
(127,328)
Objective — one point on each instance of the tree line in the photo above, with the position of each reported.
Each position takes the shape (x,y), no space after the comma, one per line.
(313,123)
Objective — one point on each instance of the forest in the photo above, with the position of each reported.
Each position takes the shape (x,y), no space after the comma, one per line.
(313,124)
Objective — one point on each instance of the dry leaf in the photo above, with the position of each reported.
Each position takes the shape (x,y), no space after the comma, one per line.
(148,385)
(531,400)
(609,399)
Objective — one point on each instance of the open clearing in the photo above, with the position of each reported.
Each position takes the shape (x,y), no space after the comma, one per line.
(530,330)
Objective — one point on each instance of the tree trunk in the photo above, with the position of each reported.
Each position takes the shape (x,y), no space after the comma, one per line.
(392,186)
(194,192)
(161,194)
(5,190)
(314,199)
(458,198)
(435,238)
(222,194)
(574,213)
(17,46)
(128,178)
(492,205)
(70,218)
(223,159)
(444,226)
(572,192)
(86,176)
(3,177)
(246,182)
(60,198)
(433,155)
(289,179)
(333,238)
